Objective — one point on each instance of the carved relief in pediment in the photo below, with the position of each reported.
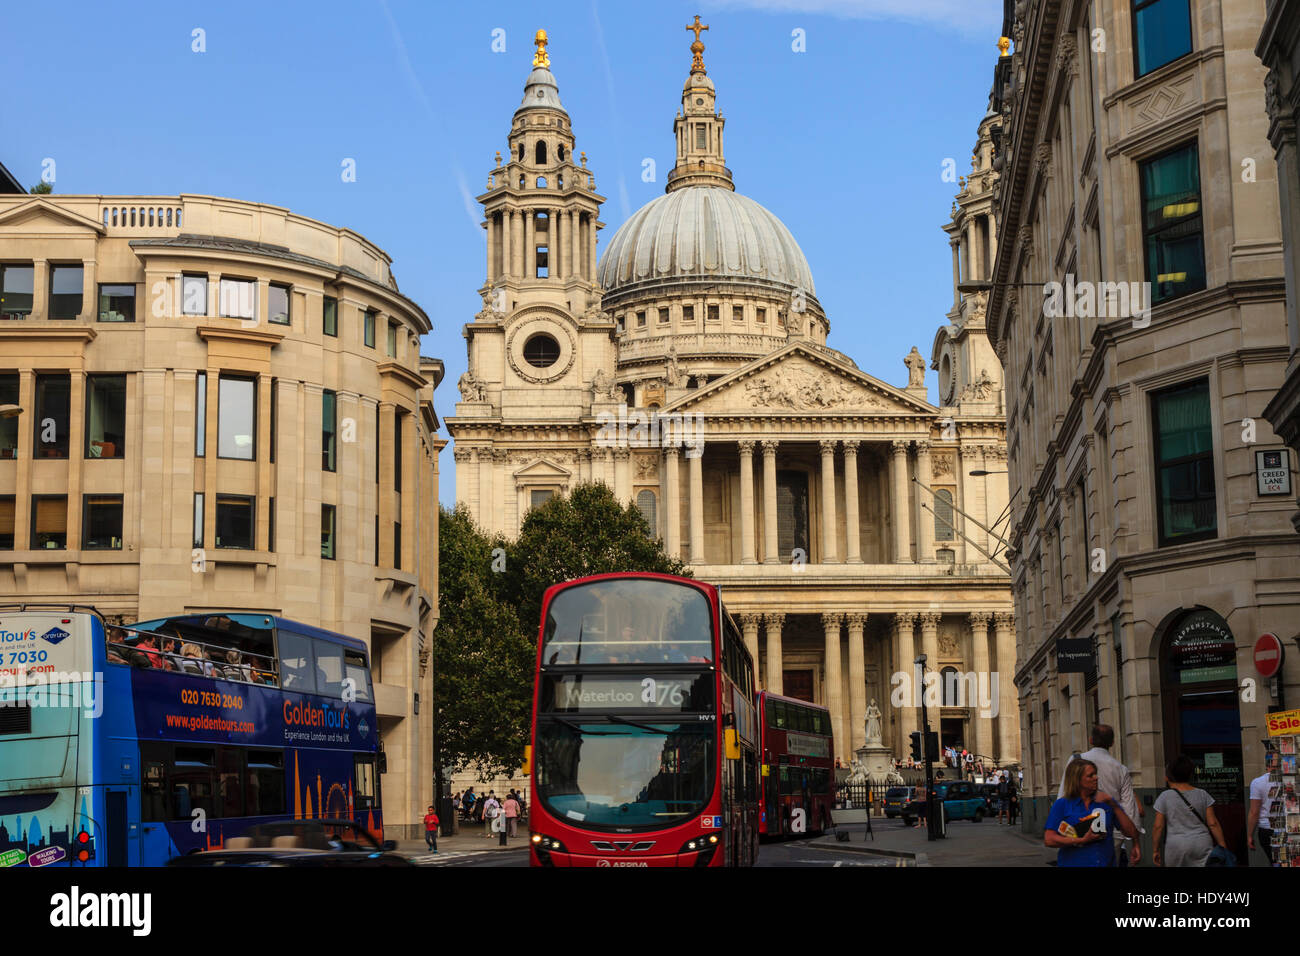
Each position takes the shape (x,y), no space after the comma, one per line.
(803,388)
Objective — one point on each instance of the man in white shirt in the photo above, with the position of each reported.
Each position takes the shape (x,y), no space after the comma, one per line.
(1260,808)
(1114,779)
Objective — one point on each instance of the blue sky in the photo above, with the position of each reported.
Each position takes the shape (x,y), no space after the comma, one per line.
(844,142)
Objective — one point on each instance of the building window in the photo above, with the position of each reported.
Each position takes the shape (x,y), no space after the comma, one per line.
(619,320)
(542,351)
(274,416)
(200,414)
(117,303)
(236,418)
(1185,492)
(327,532)
(392,340)
(943,530)
(53,400)
(331,316)
(398,416)
(238,299)
(16,291)
(105,416)
(760,316)
(701,132)
(9,426)
(1162,31)
(198,519)
(640,320)
(713,313)
(397,545)
(7,512)
(645,503)
(235,522)
(663,316)
(376,540)
(945,556)
(101,523)
(791,513)
(65,291)
(951,687)
(50,522)
(329,427)
(277,302)
(194,295)
(688,313)
(1171,226)
(270,525)
(368,330)
(737,313)
(543,259)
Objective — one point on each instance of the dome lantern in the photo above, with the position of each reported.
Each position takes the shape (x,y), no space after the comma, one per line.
(698,127)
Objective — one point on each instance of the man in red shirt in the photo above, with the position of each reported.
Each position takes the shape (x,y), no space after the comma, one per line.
(431,830)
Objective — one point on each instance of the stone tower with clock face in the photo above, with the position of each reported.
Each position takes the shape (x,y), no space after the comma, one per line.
(540,341)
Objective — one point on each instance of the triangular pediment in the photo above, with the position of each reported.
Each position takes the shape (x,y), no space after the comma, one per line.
(801,380)
(39,215)
(540,469)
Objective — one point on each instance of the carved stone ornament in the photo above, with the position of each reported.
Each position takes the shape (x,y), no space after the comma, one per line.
(948,644)
(1066,50)
(461,454)
(647,467)
(472,388)
(523,332)
(493,300)
(801,388)
(1042,157)
(980,390)
(604,388)
(1272,98)
(1026,239)
(941,466)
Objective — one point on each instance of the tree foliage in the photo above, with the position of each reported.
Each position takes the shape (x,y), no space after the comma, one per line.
(41,189)
(490,604)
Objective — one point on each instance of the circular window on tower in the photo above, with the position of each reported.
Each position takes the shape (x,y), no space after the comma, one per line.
(541,351)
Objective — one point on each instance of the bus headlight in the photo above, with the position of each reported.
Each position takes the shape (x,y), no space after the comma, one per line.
(547,843)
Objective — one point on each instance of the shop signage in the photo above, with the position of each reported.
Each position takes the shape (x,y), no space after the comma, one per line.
(1074,656)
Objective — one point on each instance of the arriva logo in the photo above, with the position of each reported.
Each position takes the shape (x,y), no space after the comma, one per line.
(9,637)
(55,635)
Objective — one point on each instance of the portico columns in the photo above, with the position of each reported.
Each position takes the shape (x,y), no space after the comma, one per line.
(747,502)
(979,640)
(773,621)
(672,503)
(695,518)
(904,654)
(770,554)
(930,639)
(900,504)
(834,678)
(857,683)
(924,516)
(1008,700)
(623,475)
(852,530)
(749,625)
(830,553)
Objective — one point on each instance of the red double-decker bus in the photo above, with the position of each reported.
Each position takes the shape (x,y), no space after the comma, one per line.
(798,771)
(645,737)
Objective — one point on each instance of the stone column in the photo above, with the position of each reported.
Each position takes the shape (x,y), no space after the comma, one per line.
(1007,697)
(830,553)
(530,244)
(852,526)
(487,505)
(554,243)
(956,272)
(491,247)
(516,243)
(831,622)
(749,623)
(904,654)
(925,516)
(462,456)
(591,247)
(623,475)
(979,641)
(770,553)
(672,503)
(774,621)
(899,504)
(930,640)
(575,233)
(695,515)
(747,502)
(857,683)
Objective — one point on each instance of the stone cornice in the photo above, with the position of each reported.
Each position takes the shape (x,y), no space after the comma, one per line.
(211,333)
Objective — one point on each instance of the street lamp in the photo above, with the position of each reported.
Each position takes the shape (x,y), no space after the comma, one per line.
(925,754)
(10,411)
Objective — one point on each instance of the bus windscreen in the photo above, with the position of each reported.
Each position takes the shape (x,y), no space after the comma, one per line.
(628,621)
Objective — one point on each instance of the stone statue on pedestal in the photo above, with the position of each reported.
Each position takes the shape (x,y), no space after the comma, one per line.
(915,368)
(873,724)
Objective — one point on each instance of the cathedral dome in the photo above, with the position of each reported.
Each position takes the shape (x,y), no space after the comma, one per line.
(703,232)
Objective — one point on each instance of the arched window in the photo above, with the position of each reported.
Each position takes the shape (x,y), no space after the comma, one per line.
(521,152)
(541,182)
(945,556)
(539,155)
(943,515)
(950,683)
(645,502)
(629,393)
(559,151)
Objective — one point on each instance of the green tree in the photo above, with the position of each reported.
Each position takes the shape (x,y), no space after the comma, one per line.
(41,189)
(482,677)
(585,532)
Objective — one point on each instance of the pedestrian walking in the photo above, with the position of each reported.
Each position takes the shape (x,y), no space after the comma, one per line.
(1261,807)
(431,830)
(1185,819)
(1005,790)
(1081,824)
(490,810)
(511,810)
(1114,779)
(467,804)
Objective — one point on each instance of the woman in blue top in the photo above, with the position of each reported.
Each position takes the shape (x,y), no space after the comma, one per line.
(1091,814)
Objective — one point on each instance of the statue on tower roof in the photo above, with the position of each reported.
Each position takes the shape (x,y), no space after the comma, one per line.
(697,48)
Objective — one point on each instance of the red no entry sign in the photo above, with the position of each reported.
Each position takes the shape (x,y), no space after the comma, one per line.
(1268,655)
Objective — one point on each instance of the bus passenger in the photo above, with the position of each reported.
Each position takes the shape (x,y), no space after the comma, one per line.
(147,647)
(236,670)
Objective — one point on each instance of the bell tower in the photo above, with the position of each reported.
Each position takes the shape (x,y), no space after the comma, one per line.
(698,127)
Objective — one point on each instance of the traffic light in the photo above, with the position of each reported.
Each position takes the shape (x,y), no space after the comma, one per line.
(916,745)
(932,746)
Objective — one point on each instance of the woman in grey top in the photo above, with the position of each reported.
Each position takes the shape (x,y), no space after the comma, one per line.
(1187,840)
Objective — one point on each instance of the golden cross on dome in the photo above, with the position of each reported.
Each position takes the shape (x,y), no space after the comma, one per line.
(540,58)
(697,64)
